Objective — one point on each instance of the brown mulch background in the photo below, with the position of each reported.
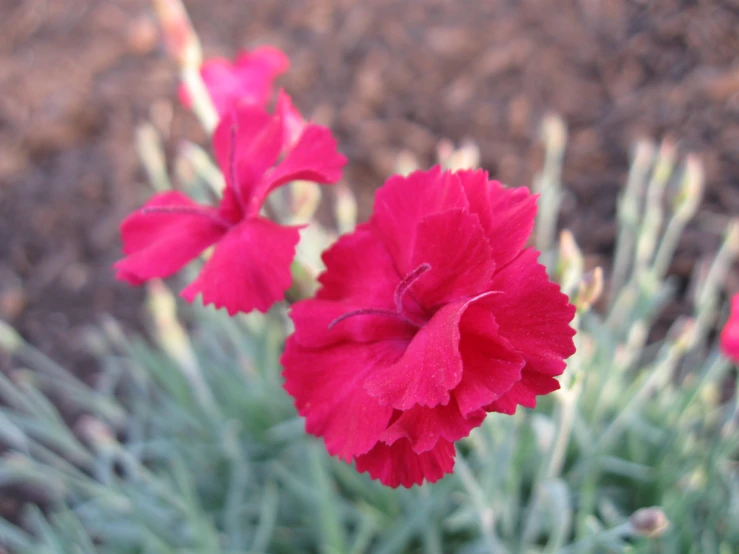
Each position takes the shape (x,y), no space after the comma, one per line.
(78,76)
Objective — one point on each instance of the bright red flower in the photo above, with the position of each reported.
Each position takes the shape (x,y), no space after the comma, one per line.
(429,315)
(250,265)
(730,334)
(247,80)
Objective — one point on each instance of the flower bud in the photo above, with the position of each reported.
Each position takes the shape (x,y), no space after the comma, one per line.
(691,189)
(554,134)
(665,163)
(732,236)
(346,208)
(10,340)
(591,287)
(181,40)
(686,334)
(170,335)
(467,156)
(649,522)
(406,162)
(304,199)
(96,432)
(570,266)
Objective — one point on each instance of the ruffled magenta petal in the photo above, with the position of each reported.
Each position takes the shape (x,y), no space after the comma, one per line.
(524,392)
(158,244)
(398,464)
(453,243)
(507,215)
(403,202)
(248,80)
(424,427)
(533,314)
(491,366)
(223,84)
(293,123)
(314,158)
(247,143)
(359,275)
(730,333)
(249,268)
(314,317)
(430,367)
(428,316)
(359,269)
(256,70)
(327,387)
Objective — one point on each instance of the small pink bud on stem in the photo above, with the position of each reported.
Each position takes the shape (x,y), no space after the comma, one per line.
(184,46)
(179,35)
(691,188)
(649,522)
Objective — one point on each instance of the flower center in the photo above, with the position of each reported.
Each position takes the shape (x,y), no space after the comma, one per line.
(401,311)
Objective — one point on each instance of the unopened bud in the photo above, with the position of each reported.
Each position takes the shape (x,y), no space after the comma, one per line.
(691,188)
(406,162)
(649,522)
(172,338)
(643,154)
(570,266)
(304,199)
(10,340)
(96,432)
(732,237)
(665,162)
(629,204)
(170,335)
(554,134)
(591,287)
(181,40)
(467,156)
(444,149)
(686,334)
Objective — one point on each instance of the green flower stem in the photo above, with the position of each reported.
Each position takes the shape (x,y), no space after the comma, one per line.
(628,213)
(202,105)
(149,148)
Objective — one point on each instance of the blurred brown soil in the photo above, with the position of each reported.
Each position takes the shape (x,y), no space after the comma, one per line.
(78,76)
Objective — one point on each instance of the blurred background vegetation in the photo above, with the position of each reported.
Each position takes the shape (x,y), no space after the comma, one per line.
(177,444)
(188,444)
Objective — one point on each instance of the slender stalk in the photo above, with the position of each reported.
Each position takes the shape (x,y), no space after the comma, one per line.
(628,215)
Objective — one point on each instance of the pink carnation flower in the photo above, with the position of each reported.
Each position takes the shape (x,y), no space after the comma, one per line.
(730,334)
(429,316)
(247,80)
(250,264)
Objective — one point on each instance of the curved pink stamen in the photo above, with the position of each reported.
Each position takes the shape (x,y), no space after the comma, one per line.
(400,292)
(365,311)
(406,284)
